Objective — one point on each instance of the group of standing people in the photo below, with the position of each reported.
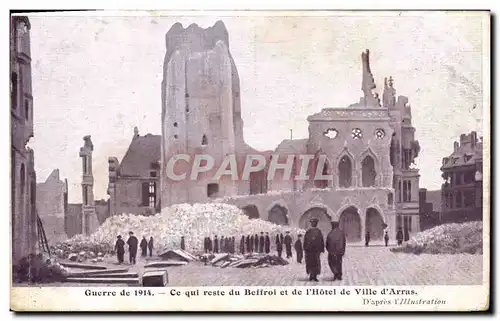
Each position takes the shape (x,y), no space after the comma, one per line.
(222,245)
(255,244)
(133,243)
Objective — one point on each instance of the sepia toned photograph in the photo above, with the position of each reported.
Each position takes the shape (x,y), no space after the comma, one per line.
(153,153)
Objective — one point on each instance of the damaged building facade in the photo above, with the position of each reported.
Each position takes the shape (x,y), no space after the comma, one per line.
(23,178)
(462,190)
(369,148)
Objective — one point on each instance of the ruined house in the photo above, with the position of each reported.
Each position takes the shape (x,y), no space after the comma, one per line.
(51,203)
(462,190)
(23,178)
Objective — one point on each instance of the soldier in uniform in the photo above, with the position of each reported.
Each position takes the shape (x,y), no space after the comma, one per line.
(314,245)
(335,245)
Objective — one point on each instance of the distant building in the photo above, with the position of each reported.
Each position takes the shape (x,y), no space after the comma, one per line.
(51,204)
(430,208)
(23,177)
(134,184)
(462,191)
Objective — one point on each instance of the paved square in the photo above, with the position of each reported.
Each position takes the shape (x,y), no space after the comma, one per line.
(375,265)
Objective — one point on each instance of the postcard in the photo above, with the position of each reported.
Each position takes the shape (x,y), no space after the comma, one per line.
(250,161)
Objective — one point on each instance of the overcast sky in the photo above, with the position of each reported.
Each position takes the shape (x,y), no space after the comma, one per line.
(101,76)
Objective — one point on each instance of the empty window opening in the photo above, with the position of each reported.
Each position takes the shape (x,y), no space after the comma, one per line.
(380,133)
(357,133)
(175,136)
(149,194)
(212,189)
(458,199)
(152,194)
(390,199)
(175,124)
(13,90)
(368,172)
(331,133)
(345,172)
(26,109)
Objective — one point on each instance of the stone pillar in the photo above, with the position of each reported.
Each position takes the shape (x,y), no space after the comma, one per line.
(89,215)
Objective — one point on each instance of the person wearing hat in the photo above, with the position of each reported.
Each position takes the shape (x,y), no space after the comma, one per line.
(335,246)
(314,245)
(120,249)
(279,245)
(288,245)
(262,239)
(132,243)
(299,249)
(144,246)
(267,243)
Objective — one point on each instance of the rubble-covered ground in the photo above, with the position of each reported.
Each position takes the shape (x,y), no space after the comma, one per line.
(194,222)
(447,239)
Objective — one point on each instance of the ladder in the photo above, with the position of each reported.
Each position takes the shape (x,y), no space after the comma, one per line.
(42,237)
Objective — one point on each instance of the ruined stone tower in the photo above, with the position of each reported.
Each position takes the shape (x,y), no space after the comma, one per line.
(201,111)
(89,216)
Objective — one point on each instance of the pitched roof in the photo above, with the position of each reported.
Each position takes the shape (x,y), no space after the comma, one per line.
(292,146)
(142,152)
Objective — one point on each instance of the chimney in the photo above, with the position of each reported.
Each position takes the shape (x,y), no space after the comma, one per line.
(445,160)
(455,146)
(473,138)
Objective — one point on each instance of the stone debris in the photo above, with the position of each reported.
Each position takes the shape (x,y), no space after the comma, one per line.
(194,222)
(245,261)
(178,255)
(165,264)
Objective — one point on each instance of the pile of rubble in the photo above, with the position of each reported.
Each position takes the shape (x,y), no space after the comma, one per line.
(253,260)
(80,251)
(194,222)
(85,256)
(38,268)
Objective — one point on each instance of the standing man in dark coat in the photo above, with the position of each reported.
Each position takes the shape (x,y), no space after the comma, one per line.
(242,245)
(299,249)
(314,245)
(222,243)
(210,244)
(205,245)
(399,236)
(249,244)
(120,249)
(256,243)
(150,246)
(288,245)
(282,238)
(233,243)
(216,244)
(367,238)
(144,247)
(267,243)
(386,237)
(132,243)
(183,243)
(262,239)
(335,245)
(279,245)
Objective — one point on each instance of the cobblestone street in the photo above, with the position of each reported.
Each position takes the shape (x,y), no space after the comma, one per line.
(375,265)
(362,266)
